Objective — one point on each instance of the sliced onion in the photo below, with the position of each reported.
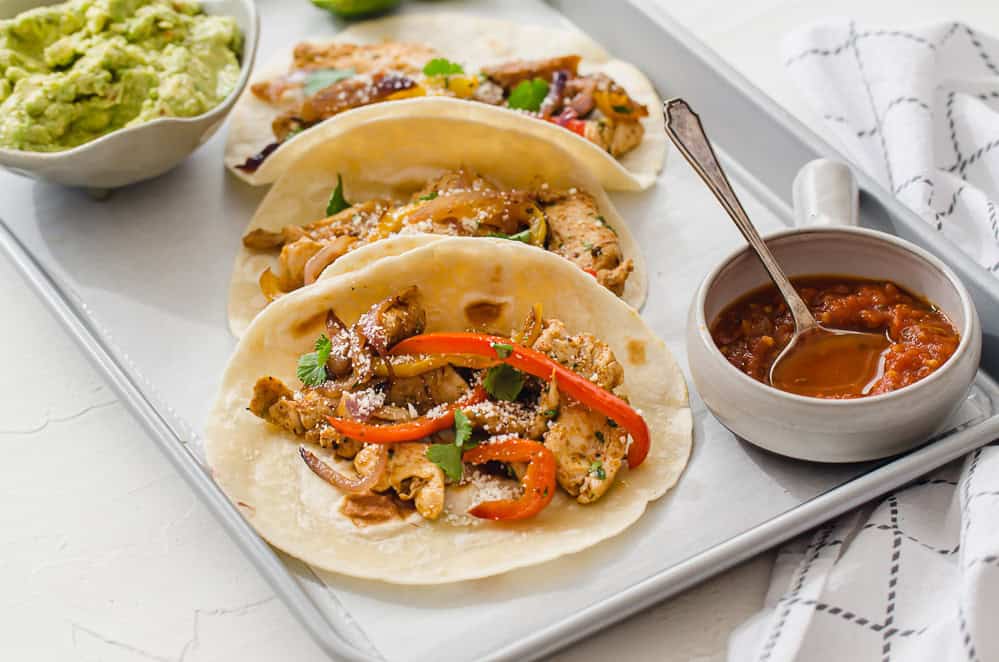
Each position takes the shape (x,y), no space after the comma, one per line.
(358,485)
(325,257)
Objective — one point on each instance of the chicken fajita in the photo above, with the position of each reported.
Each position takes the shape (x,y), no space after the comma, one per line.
(398,407)
(399,179)
(503,73)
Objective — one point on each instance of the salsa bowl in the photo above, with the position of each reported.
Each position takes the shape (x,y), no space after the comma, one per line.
(825,430)
(132,154)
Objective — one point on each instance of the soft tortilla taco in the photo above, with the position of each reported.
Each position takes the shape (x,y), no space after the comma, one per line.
(397,178)
(556,84)
(452,412)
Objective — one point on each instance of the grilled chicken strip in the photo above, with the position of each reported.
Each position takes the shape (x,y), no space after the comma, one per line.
(579,233)
(508,74)
(303,415)
(589,450)
(581,353)
(412,476)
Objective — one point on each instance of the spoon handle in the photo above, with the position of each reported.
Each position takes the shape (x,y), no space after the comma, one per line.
(684,128)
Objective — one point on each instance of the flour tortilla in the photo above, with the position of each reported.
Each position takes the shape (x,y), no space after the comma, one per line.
(395,156)
(258,466)
(473,41)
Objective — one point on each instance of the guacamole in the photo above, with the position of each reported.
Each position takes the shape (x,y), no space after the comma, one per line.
(73,72)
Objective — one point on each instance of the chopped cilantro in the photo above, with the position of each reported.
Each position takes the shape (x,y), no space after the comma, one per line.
(462,428)
(524,236)
(550,413)
(528,95)
(448,458)
(429,196)
(624,110)
(312,366)
(337,202)
(597,469)
(319,79)
(440,66)
(587,245)
(600,436)
(503,382)
(502,349)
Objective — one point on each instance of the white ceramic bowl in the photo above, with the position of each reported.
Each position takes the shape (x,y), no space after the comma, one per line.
(140,152)
(833,430)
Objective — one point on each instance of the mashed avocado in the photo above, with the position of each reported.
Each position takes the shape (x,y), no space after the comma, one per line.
(72,72)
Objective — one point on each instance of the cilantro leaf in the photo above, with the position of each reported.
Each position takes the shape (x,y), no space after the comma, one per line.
(441,66)
(528,95)
(502,349)
(312,366)
(462,428)
(448,458)
(319,79)
(624,110)
(337,202)
(429,196)
(503,382)
(550,413)
(597,469)
(524,236)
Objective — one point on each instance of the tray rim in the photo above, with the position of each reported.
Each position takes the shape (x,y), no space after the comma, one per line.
(71,313)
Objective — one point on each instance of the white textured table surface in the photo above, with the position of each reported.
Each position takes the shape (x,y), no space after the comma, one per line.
(117,561)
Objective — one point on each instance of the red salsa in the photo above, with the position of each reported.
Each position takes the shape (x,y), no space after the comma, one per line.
(753,330)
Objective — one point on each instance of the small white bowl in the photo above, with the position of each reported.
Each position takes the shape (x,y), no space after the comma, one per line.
(130,155)
(833,430)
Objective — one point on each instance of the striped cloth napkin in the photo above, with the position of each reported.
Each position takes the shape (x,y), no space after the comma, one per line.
(915,575)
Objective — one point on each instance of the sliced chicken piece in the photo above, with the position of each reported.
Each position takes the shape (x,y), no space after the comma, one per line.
(589,450)
(293,258)
(392,320)
(501,417)
(428,390)
(413,477)
(579,233)
(508,74)
(581,353)
(617,138)
(302,414)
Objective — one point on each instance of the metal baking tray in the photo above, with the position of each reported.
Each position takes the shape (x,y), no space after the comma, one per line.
(140,280)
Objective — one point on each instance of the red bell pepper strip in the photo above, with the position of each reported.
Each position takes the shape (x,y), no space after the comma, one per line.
(535,363)
(576,126)
(538,482)
(408,431)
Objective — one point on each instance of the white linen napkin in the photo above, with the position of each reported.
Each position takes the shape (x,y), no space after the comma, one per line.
(915,575)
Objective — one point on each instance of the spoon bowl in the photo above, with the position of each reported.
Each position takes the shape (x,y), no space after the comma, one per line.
(830,362)
(816,359)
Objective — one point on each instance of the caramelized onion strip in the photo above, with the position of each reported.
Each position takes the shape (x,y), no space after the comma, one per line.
(358,485)
(326,256)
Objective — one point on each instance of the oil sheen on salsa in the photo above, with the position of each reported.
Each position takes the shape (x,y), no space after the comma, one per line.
(752,331)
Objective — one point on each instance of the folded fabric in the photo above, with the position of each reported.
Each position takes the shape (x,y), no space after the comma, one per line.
(915,575)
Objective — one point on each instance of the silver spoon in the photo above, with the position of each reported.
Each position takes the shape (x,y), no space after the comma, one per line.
(812,344)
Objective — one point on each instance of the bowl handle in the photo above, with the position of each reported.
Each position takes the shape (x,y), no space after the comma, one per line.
(825,193)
